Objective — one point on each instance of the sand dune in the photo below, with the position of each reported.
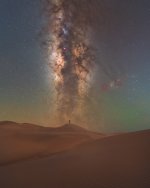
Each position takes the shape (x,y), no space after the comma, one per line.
(24,141)
(119,161)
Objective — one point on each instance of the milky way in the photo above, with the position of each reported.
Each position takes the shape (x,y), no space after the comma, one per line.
(70,25)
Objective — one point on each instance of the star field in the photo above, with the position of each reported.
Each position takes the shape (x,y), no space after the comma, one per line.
(120,99)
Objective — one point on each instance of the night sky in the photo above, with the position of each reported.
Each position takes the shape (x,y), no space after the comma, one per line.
(122,40)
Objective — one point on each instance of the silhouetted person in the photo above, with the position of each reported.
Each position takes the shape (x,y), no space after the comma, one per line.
(69,121)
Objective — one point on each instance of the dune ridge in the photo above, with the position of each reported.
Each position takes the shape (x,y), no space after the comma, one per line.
(27,141)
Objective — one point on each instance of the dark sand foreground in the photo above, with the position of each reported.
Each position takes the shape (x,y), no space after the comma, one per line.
(71,157)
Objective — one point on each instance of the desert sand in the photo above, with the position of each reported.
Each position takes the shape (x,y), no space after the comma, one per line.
(71,157)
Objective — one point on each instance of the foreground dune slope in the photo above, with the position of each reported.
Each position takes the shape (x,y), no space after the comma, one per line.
(120,161)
